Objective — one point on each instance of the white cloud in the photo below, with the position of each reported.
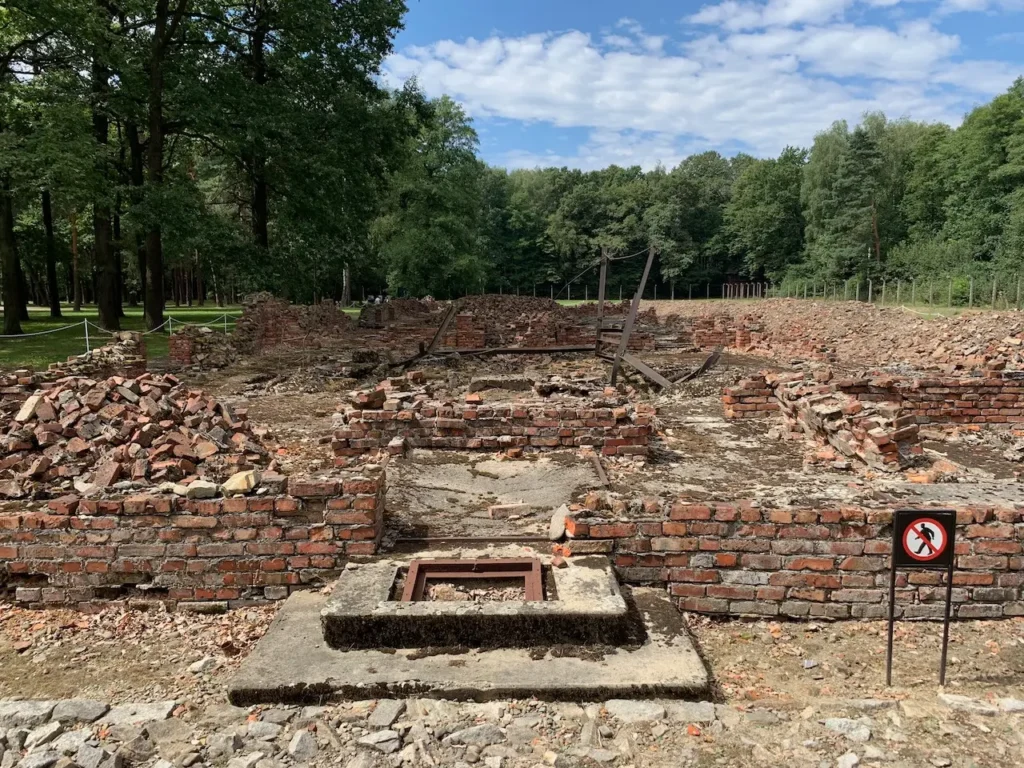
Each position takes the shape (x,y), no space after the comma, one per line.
(746,14)
(963,6)
(760,85)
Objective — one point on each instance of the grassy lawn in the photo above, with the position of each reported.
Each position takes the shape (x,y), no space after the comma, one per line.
(38,352)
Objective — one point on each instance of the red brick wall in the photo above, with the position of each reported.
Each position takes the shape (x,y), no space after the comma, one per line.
(750,399)
(998,398)
(79,550)
(738,559)
(614,431)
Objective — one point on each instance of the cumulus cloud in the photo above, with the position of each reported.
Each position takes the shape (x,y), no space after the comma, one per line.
(757,77)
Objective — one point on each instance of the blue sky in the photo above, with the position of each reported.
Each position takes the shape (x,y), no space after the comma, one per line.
(587,83)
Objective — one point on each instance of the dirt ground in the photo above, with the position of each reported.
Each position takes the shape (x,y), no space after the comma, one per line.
(778,683)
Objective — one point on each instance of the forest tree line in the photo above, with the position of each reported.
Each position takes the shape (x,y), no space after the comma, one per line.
(197,150)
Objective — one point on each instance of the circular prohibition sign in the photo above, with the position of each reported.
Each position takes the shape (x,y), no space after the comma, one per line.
(924,539)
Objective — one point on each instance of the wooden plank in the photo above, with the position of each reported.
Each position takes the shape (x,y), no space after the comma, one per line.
(602,476)
(627,329)
(442,329)
(646,370)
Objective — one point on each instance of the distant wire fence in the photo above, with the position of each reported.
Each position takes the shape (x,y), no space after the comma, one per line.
(1004,292)
(93,335)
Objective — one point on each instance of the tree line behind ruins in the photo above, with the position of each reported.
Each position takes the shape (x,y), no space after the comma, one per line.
(156,150)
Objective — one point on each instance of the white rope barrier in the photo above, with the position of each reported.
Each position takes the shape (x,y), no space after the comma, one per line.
(42,333)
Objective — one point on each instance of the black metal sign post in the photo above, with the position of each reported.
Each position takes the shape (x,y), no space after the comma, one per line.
(922,540)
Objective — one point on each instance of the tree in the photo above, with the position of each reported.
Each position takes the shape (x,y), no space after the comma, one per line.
(429,230)
(764,219)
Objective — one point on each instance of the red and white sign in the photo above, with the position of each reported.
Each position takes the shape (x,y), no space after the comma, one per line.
(925,539)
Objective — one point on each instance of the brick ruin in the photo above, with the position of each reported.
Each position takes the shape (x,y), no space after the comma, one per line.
(739,559)
(400,415)
(224,549)
(715,551)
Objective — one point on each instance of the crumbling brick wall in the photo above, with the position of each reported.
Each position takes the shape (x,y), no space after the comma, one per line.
(621,431)
(996,397)
(267,322)
(879,432)
(736,558)
(83,550)
(751,398)
(201,346)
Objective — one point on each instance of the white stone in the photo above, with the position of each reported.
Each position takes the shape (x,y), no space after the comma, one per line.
(849,760)
(39,760)
(630,711)
(263,731)
(89,756)
(138,714)
(556,528)
(241,482)
(203,665)
(79,711)
(28,713)
(247,761)
(383,741)
(385,713)
(28,408)
(854,730)
(691,711)
(1011,705)
(303,746)
(966,704)
(44,734)
(203,489)
(478,735)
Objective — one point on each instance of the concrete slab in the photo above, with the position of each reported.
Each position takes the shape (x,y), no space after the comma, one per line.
(437,493)
(586,607)
(293,663)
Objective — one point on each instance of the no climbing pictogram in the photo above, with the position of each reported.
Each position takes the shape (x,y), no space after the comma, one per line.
(924,539)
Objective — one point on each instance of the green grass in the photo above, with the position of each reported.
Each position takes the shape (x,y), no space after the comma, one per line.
(37,352)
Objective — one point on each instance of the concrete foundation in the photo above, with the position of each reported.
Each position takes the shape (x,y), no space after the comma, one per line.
(584,607)
(293,663)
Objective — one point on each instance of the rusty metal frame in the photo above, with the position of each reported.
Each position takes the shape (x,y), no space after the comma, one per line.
(627,330)
(525,568)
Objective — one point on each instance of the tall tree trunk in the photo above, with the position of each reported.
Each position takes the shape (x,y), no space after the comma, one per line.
(260,196)
(52,288)
(164,26)
(13,300)
(118,265)
(346,285)
(137,172)
(103,254)
(23,290)
(874,228)
(75,264)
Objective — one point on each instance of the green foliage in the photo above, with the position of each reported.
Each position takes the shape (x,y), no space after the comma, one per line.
(764,219)
(428,233)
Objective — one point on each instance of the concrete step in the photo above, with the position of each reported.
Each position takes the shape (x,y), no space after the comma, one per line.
(583,606)
(294,664)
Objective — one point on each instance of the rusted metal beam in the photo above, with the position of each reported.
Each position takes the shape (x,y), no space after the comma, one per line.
(627,330)
(442,329)
(421,571)
(646,370)
(706,366)
(600,296)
